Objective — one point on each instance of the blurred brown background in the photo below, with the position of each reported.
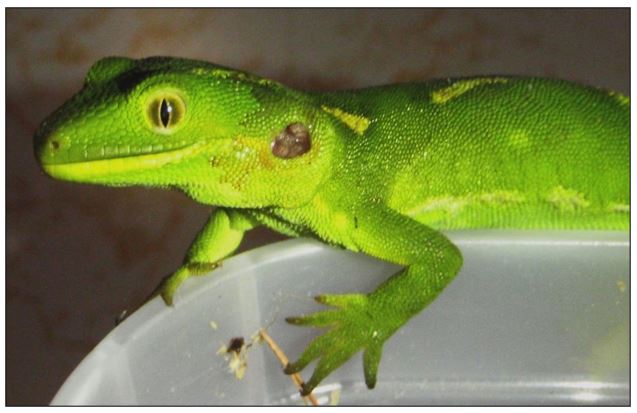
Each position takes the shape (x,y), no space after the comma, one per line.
(79,255)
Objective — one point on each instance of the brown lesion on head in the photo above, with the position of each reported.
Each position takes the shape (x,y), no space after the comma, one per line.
(292,142)
(254,155)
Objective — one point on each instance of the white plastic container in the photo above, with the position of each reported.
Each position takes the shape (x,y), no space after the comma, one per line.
(532,318)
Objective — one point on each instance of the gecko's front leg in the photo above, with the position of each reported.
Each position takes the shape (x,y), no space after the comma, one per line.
(366,321)
(218,239)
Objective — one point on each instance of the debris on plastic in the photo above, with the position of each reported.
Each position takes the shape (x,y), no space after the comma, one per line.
(236,354)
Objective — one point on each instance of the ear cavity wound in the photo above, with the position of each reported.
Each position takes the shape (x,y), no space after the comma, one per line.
(292,142)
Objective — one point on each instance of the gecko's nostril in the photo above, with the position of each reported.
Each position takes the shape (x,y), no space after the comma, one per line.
(40,141)
(49,144)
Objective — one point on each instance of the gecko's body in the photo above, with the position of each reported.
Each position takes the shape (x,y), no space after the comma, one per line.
(492,153)
(377,170)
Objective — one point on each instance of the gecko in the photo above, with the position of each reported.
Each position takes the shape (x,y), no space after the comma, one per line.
(383,170)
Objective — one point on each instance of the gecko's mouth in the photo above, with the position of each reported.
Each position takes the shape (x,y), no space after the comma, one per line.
(86,169)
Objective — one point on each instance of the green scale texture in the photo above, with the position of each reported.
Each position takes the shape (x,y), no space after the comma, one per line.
(378,170)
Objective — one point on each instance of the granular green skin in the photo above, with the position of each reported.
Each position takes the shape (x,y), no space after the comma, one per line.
(378,170)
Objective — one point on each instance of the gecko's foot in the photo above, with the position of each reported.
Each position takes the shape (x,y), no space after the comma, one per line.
(169,284)
(166,289)
(356,324)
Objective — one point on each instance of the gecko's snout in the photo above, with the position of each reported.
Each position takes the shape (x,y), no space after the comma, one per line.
(47,145)
(40,141)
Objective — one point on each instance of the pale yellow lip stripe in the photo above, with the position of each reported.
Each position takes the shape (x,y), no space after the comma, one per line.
(74,171)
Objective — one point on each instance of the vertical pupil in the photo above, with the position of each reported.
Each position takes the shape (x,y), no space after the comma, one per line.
(164,112)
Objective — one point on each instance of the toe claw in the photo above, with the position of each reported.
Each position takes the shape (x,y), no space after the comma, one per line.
(167,297)
(294,320)
(371,360)
(342,301)
(319,299)
(290,368)
(306,389)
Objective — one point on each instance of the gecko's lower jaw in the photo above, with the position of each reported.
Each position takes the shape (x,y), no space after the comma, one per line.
(97,170)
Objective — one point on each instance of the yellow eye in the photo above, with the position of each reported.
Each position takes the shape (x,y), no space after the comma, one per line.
(166,111)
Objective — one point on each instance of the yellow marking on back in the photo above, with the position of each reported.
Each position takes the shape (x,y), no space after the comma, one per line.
(567,199)
(501,197)
(622,99)
(357,123)
(614,207)
(452,205)
(461,87)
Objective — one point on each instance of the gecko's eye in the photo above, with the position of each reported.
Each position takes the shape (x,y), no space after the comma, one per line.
(165,112)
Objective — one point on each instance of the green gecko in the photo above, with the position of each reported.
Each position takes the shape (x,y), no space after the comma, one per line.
(380,170)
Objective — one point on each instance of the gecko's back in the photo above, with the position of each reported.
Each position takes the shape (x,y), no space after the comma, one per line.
(494,152)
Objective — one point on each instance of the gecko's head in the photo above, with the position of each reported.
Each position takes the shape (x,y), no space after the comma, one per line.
(222,136)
